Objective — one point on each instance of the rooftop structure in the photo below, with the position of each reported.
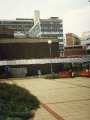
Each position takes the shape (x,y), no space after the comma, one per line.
(52,27)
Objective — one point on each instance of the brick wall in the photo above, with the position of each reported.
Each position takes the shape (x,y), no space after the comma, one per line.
(74,51)
(72,39)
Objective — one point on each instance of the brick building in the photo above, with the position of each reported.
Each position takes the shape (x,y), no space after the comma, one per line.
(72,40)
(75,51)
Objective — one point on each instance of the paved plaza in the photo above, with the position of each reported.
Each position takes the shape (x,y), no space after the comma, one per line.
(62,99)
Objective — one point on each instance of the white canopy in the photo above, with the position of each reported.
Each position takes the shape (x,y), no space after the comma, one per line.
(45,61)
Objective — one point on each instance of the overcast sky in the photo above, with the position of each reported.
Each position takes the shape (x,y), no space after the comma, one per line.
(75,13)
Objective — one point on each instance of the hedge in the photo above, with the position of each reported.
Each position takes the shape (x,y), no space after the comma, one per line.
(15,99)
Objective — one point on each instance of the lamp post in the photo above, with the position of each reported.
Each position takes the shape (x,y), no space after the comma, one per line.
(50,53)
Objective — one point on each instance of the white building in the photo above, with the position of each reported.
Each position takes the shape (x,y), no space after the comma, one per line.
(52,27)
(85,38)
(48,28)
(20,24)
(37,27)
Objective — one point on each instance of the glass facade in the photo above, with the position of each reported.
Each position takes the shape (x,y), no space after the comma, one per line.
(18,25)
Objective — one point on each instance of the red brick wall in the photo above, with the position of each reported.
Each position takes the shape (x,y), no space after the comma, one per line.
(69,40)
(72,39)
(74,51)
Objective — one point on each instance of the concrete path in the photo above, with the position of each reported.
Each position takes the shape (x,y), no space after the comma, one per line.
(62,99)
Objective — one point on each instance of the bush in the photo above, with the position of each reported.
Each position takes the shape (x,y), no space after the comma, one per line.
(15,99)
(52,76)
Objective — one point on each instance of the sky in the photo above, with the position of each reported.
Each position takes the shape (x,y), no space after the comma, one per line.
(75,13)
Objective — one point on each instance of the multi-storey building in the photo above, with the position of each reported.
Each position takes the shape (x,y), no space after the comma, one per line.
(22,25)
(52,27)
(42,28)
(48,28)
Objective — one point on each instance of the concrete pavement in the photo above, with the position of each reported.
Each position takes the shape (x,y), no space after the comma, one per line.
(65,99)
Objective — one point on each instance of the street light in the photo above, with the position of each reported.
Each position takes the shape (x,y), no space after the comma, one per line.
(50,52)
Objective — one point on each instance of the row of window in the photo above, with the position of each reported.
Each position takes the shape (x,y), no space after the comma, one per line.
(51,30)
(15,25)
(51,25)
(15,22)
(20,27)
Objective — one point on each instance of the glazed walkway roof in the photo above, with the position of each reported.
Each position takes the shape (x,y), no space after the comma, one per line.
(45,61)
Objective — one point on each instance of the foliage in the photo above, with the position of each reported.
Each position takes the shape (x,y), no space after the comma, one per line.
(52,76)
(14,99)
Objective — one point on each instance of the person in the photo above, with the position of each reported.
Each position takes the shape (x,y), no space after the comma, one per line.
(39,73)
(6,70)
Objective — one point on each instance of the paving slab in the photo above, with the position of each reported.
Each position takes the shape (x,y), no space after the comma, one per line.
(42,114)
(68,98)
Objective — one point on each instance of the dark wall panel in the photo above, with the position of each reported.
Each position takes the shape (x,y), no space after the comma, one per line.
(27,50)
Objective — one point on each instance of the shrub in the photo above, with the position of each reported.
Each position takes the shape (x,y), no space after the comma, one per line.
(52,76)
(15,99)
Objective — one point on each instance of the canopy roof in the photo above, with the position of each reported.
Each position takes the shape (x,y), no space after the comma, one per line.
(45,61)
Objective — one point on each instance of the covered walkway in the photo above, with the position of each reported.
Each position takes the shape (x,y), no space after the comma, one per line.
(82,59)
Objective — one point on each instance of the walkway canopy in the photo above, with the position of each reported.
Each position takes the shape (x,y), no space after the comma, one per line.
(45,61)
